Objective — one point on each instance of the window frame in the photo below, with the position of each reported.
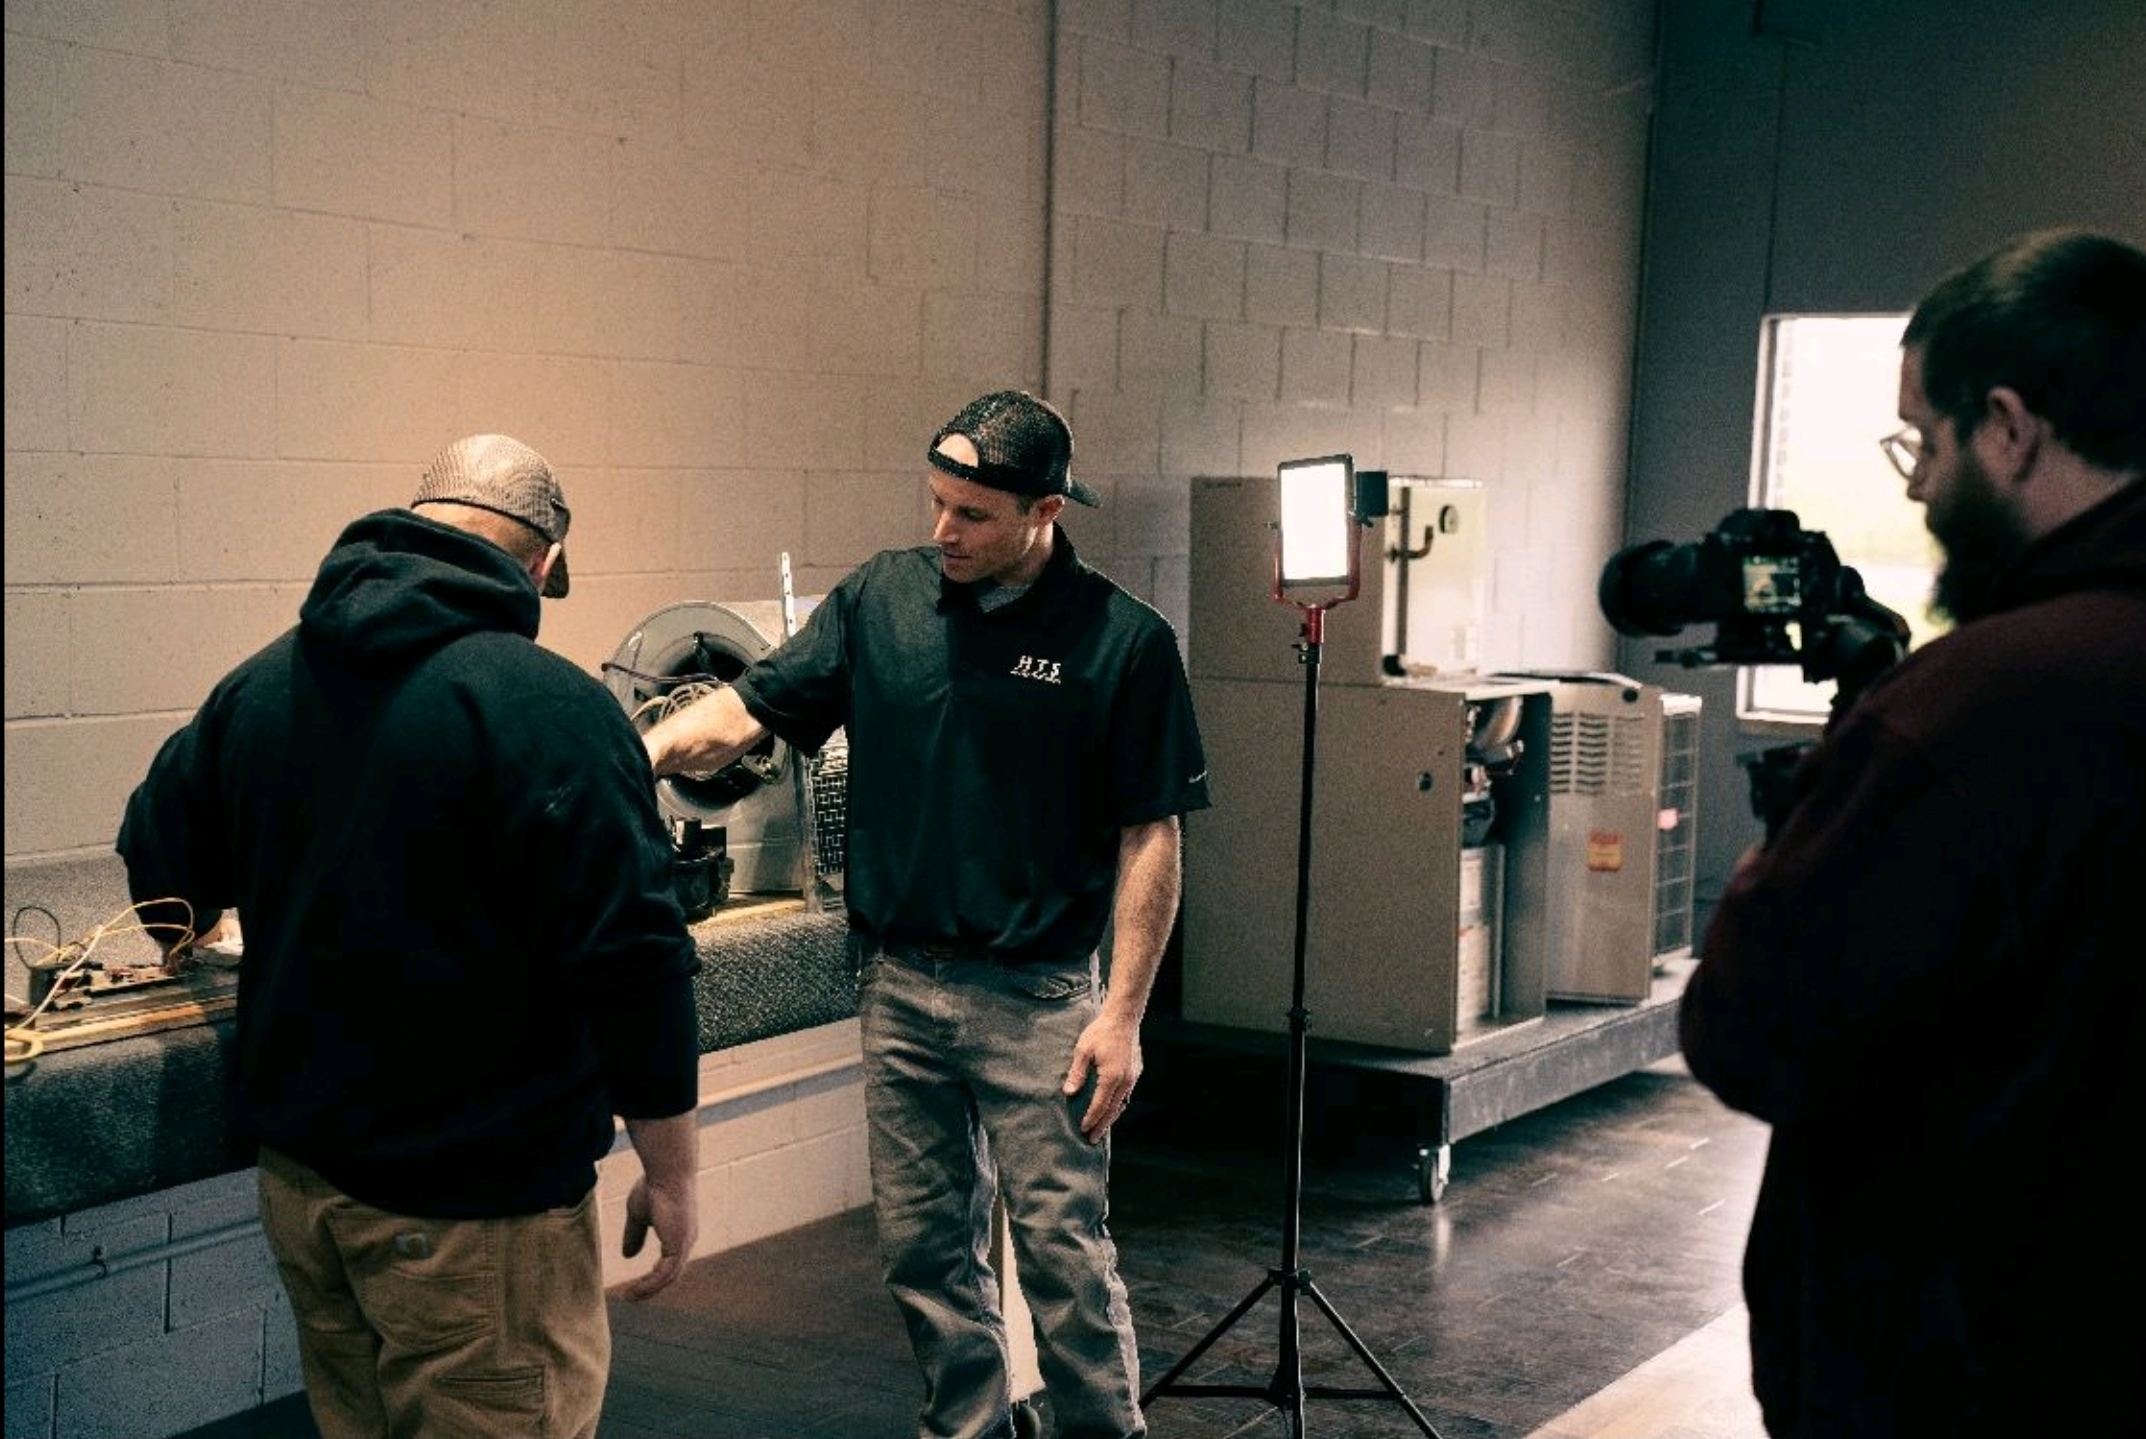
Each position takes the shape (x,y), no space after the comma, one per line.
(1767,475)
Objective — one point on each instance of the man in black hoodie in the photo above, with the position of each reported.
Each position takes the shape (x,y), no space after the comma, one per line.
(1929,981)
(462,957)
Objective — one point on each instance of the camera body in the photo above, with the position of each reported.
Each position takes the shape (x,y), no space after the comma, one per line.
(1776,593)
(1757,573)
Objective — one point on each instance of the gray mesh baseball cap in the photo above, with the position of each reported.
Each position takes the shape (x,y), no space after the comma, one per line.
(505,476)
(1022,444)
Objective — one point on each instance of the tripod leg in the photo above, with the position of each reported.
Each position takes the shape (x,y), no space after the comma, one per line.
(1244,1306)
(1364,1353)
(1287,1389)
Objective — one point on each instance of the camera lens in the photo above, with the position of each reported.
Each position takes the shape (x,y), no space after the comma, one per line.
(1648,589)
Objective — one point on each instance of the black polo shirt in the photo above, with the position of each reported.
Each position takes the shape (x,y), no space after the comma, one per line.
(993,757)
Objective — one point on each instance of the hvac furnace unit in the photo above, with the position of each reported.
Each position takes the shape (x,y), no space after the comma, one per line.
(1622,785)
(1427,895)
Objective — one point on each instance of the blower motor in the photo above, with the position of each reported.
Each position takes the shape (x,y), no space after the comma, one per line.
(770,822)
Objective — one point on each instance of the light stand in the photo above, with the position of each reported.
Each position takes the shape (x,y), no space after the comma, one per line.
(1317,545)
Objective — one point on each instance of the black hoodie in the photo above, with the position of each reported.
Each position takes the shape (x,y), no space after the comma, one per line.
(462,950)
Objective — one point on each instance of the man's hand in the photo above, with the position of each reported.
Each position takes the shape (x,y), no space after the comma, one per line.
(676,1220)
(226,931)
(1109,1050)
(704,736)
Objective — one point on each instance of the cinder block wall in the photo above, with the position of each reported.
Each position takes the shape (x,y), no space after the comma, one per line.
(148,1316)
(1403,229)
(728,262)
(725,262)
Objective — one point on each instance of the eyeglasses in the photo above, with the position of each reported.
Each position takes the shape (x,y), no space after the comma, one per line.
(1904,448)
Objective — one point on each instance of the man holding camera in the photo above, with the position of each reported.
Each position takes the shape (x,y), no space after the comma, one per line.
(1929,981)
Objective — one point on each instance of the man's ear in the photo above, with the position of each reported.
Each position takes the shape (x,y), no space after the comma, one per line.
(540,571)
(2010,435)
(1048,508)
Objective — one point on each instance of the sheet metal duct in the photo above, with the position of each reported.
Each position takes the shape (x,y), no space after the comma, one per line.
(781,814)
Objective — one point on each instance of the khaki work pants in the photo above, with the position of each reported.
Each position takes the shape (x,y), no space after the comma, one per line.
(440,1328)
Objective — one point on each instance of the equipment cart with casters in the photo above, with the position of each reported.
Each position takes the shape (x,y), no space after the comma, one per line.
(1433,1101)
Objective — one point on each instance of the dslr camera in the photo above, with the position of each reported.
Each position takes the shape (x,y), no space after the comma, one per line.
(1776,593)
(1758,574)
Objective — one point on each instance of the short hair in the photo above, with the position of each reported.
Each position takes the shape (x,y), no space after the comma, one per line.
(2058,316)
(517,537)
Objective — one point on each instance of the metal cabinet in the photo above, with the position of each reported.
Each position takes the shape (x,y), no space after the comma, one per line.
(1426,922)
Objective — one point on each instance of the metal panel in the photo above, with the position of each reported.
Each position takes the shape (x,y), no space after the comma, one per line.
(1383,933)
(1676,852)
(1621,829)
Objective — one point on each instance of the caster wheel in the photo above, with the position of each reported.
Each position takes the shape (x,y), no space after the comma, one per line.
(1434,1169)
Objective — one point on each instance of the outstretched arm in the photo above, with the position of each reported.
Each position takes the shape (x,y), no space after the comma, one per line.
(704,736)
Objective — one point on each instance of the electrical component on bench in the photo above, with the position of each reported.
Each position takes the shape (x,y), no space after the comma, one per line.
(701,869)
(770,822)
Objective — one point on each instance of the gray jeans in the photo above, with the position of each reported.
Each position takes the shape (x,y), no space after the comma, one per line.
(963,1059)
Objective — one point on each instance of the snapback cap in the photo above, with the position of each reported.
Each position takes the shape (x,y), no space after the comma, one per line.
(503,475)
(1023,445)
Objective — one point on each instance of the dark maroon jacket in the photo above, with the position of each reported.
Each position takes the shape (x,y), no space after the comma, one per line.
(1933,986)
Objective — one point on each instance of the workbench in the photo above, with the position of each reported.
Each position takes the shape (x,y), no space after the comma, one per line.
(143,1108)
(1425,1102)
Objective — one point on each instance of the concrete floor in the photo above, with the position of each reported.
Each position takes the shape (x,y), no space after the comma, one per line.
(1578,1280)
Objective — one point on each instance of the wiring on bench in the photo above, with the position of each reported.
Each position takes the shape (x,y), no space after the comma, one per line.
(65,972)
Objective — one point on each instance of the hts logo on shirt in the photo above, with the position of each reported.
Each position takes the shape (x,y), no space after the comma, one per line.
(1031,668)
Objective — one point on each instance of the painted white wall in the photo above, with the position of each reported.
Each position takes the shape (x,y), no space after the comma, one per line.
(727,263)
(1403,229)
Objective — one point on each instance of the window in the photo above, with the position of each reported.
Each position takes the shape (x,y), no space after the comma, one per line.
(1829,387)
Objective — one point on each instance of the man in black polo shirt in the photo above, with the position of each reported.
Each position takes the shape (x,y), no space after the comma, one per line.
(1021,746)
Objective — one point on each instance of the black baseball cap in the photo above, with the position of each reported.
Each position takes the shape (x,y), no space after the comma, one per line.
(1023,445)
